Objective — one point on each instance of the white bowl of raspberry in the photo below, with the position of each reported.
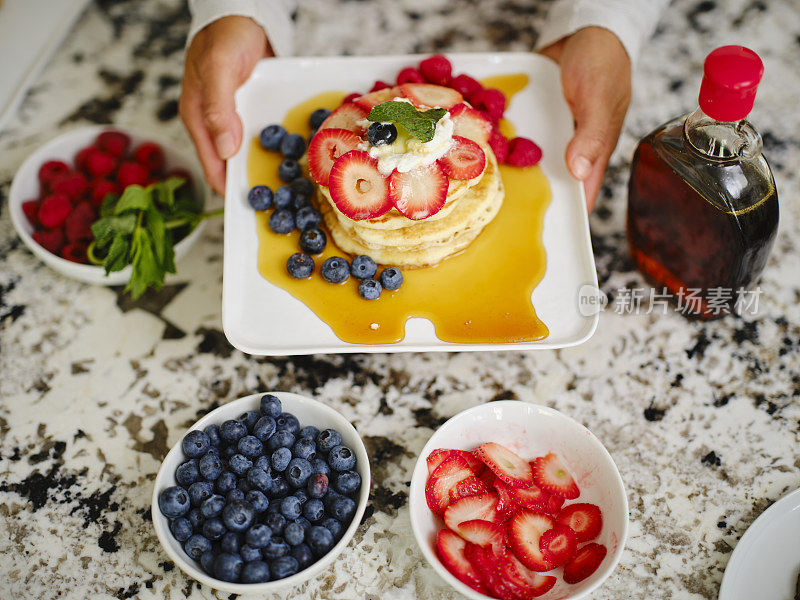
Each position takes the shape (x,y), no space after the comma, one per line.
(59,233)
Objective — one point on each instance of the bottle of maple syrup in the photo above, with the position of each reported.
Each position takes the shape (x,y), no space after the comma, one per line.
(702,204)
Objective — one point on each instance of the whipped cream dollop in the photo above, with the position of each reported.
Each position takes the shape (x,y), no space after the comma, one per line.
(407,152)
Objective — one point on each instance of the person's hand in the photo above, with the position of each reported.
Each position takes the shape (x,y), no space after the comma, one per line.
(596,81)
(219,59)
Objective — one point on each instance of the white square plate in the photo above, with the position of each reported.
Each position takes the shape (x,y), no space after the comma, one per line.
(263,319)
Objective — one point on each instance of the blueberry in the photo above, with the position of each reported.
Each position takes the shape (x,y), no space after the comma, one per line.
(262,462)
(314,510)
(250,553)
(187,473)
(235,494)
(335,269)
(307,217)
(381,133)
(248,419)
(318,465)
(298,472)
(313,240)
(256,571)
(181,529)
(302,187)
(347,482)
(212,506)
(283,567)
(230,431)
(228,451)
(391,278)
(244,485)
(317,484)
(194,516)
(317,117)
(195,443)
(196,545)
(207,562)
(300,495)
(264,428)
(275,521)
(212,431)
(309,431)
(320,540)
(283,197)
(305,448)
(300,265)
(327,439)
(210,466)
(250,446)
(291,507)
(329,497)
(231,542)
(258,499)
(342,508)
(272,136)
(240,463)
(293,146)
(227,567)
(282,438)
(271,406)
(280,459)
(275,548)
(238,515)
(334,526)
(260,197)
(341,458)
(259,479)
(258,535)
(280,488)
(213,529)
(294,534)
(302,554)
(369,289)
(312,134)
(298,204)
(281,221)
(289,170)
(363,267)
(199,491)
(225,482)
(288,422)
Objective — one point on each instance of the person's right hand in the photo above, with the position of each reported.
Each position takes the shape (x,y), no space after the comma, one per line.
(219,60)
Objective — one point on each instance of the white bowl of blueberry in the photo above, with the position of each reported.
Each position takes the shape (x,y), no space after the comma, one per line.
(262,493)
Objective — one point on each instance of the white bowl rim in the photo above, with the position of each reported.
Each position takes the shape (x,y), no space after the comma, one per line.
(94,273)
(160,522)
(434,561)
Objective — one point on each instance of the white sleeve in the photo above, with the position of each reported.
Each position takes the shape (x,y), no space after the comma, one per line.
(632,21)
(273,15)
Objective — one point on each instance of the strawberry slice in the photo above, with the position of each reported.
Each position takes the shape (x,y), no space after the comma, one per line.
(507,466)
(525,529)
(482,506)
(558,545)
(553,505)
(419,193)
(471,486)
(505,505)
(357,188)
(484,533)
(487,564)
(585,562)
(471,123)
(450,550)
(464,160)
(531,583)
(325,147)
(347,116)
(531,497)
(439,455)
(431,96)
(367,101)
(585,519)
(550,474)
(442,480)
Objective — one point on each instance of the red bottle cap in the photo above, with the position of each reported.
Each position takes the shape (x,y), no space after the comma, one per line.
(731,75)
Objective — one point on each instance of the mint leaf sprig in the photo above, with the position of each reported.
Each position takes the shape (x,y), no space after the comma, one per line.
(139,228)
(420,124)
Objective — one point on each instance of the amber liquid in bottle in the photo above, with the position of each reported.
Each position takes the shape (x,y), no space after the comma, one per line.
(702,212)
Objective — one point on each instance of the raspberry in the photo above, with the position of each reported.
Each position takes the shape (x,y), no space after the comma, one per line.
(100,164)
(31,210)
(78,225)
(351,97)
(51,240)
(490,101)
(499,144)
(99,189)
(50,170)
(436,69)
(82,157)
(75,251)
(379,85)
(131,173)
(466,86)
(523,152)
(72,183)
(409,75)
(113,142)
(54,210)
(150,156)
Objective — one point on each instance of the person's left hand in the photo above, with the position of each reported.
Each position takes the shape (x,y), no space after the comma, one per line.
(596,82)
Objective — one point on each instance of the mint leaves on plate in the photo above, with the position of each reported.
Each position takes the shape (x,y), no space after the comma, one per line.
(420,124)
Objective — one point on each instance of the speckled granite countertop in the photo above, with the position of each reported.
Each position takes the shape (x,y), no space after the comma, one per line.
(702,419)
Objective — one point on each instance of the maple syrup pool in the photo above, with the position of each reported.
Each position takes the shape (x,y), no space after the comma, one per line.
(482,295)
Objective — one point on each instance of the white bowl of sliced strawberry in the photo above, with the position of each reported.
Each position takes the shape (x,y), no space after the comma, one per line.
(513,500)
